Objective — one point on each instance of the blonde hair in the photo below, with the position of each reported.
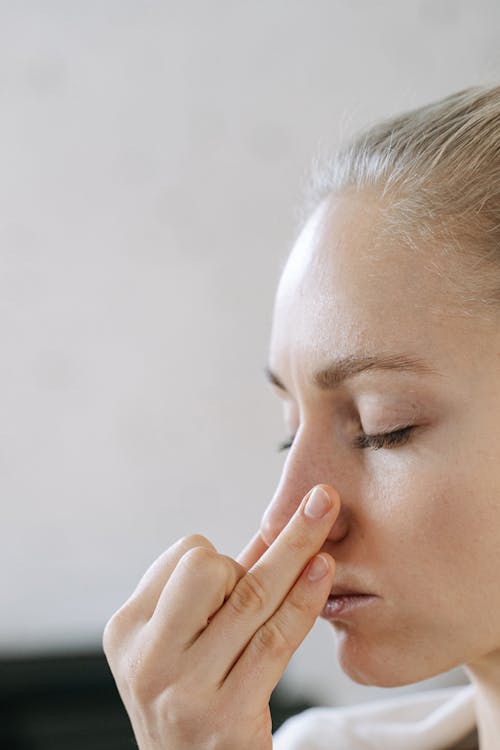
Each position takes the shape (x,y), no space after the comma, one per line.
(436,172)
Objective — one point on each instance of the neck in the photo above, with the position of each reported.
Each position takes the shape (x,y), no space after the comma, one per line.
(485,676)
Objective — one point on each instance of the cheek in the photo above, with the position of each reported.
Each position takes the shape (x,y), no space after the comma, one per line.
(422,521)
(457,514)
(426,502)
(444,530)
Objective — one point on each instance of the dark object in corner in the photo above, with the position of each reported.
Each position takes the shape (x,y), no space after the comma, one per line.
(56,702)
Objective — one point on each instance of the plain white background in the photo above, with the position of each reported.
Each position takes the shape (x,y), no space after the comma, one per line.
(151,160)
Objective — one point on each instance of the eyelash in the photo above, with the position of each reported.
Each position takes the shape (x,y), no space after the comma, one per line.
(375,442)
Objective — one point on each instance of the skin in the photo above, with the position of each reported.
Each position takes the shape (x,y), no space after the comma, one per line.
(419,523)
(201,643)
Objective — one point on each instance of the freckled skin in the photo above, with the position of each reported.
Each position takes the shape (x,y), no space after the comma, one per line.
(419,523)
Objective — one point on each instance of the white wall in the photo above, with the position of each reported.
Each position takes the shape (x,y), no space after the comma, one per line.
(151,158)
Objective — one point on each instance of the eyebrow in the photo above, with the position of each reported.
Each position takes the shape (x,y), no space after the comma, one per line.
(336,372)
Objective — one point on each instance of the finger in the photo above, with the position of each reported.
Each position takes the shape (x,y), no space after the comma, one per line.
(259,593)
(145,597)
(197,588)
(261,665)
(252,552)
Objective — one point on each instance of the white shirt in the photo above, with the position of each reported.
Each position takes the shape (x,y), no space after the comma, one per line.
(429,720)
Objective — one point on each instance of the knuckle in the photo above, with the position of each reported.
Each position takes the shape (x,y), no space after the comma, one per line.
(195,540)
(198,557)
(108,637)
(297,605)
(248,596)
(272,638)
(115,629)
(298,541)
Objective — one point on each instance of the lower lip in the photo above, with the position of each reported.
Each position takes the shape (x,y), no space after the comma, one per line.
(343,605)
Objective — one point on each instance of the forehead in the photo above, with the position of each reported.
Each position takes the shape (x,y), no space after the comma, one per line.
(346,287)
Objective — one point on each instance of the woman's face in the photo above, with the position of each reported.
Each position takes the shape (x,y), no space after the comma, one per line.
(419,523)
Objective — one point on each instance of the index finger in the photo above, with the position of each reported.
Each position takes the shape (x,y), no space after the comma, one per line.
(261,591)
(302,538)
(258,594)
(252,552)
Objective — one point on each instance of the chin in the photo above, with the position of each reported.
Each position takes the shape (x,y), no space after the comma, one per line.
(369,664)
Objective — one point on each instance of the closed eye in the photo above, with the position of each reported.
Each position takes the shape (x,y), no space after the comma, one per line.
(375,442)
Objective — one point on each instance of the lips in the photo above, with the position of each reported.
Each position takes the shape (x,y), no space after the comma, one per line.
(346,591)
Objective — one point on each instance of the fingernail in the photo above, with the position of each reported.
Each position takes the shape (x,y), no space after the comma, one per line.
(319,503)
(318,568)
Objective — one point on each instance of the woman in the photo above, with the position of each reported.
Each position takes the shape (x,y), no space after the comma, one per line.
(385,349)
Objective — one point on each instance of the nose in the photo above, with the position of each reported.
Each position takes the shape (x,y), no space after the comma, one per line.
(285,502)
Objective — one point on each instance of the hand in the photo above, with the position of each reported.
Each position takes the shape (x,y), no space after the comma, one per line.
(202,642)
